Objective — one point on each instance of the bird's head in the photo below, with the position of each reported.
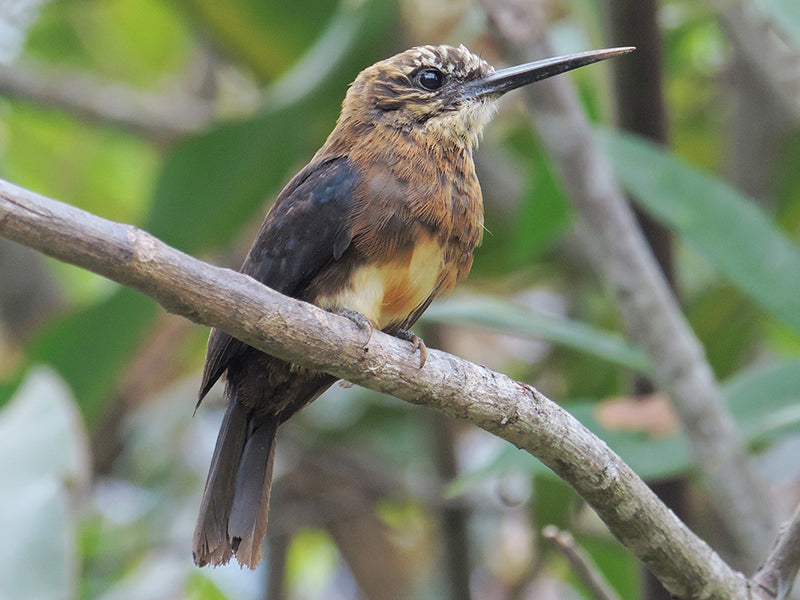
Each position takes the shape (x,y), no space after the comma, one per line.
(447,92)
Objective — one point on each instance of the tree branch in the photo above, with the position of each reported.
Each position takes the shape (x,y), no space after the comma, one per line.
(583,566)
(773,61)
(652,316)
(160,118)
(779,571)
(304,334)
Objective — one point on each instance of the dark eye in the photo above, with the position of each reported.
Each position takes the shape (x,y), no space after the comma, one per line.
(430,79)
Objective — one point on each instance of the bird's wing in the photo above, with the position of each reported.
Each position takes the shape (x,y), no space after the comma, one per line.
(305,230)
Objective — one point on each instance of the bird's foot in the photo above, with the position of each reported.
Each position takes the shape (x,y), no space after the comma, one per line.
(360,320)
(417,344)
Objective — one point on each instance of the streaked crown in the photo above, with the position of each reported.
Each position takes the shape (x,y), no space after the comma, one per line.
(421,88)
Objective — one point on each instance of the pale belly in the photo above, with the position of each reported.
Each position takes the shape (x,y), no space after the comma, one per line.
(387,293)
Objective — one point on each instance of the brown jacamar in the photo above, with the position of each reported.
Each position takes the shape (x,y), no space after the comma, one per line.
(383,220)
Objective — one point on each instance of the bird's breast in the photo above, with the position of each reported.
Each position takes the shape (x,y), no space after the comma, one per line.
(417,217)
(387,292)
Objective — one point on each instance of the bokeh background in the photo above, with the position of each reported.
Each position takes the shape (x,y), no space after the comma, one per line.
(186,117)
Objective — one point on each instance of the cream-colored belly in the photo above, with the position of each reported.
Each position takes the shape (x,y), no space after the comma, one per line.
(387,293)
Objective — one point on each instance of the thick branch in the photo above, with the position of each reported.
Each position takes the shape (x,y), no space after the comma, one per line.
(304,334)
(652,316)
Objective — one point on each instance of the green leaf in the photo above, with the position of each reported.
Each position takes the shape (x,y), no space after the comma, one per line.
(509,318)
(212,184)
(43,455)
(725,226)
(553,501)
(89,347)
(728,325)
(766,400)
(267,35)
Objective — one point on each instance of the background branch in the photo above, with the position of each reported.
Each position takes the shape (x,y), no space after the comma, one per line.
(162,118)
(780,569)
(773,61)
(580,562)
(292,330)
(652,316)
(640,107)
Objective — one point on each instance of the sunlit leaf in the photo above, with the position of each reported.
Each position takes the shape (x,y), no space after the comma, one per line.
(726,227)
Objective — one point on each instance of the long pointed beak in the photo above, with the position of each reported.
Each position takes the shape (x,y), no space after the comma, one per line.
(505,80)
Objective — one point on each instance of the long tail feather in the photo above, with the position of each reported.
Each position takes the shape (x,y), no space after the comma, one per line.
(233,512)
(247,523)
(211,543)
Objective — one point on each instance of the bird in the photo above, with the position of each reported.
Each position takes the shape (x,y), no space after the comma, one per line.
(384,219)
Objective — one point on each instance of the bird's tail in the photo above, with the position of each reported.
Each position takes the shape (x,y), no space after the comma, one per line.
(233,513)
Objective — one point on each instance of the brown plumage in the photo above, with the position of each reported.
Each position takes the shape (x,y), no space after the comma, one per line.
(384,219)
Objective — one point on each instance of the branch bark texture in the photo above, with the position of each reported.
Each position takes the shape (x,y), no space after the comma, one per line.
(652,316)
(302,333)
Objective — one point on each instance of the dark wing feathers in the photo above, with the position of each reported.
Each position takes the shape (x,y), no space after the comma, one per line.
(306,229)
(221,347)
(303,232)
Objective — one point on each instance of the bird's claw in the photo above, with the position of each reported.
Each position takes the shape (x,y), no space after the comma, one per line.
(360,320)
(416,344)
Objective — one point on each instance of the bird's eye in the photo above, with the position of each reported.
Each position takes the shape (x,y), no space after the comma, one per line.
(430,79)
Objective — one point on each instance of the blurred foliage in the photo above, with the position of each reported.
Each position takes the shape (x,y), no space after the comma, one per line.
(91,346)
(109,369)
(48,470)
(730,231)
